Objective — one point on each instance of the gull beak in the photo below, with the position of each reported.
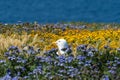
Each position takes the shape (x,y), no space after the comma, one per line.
(53,42)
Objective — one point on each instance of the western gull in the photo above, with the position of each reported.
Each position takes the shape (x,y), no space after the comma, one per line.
(63,47)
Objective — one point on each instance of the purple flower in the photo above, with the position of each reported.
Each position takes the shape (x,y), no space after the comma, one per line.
(80,57)
(82,47)
(25,77)
(72,75)
(117,58)
(114,65)
(53,50)
(69,59)
(118,62)
(6,77)
(15,78)
(42,59)
(90,54)
(18,73)
(61,58)
(38,57)
(8,71)
(82,27)
(112,71)
(68,67)
(106,78)
(60,64)
(24,61)
(80,62)
(87,64)
(39,69)
(109,67)
(12,58)
(30,52)
(47,59)
(2,61)
(62,71)
(30,73)
(58,74)
(114,68)
(12,48)
(92,49)
(6,54)
(72,72)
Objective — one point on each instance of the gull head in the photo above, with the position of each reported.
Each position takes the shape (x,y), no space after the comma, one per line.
(61,43)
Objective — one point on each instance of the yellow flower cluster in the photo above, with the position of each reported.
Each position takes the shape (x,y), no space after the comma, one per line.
(44,38)
(75,37)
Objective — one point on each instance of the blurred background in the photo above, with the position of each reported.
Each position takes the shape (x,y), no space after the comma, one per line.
(53,11)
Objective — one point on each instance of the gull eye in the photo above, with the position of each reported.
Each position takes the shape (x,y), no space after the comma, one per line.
(58,41)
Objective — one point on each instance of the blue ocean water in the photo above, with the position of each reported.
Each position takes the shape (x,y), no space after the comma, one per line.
(53,11)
